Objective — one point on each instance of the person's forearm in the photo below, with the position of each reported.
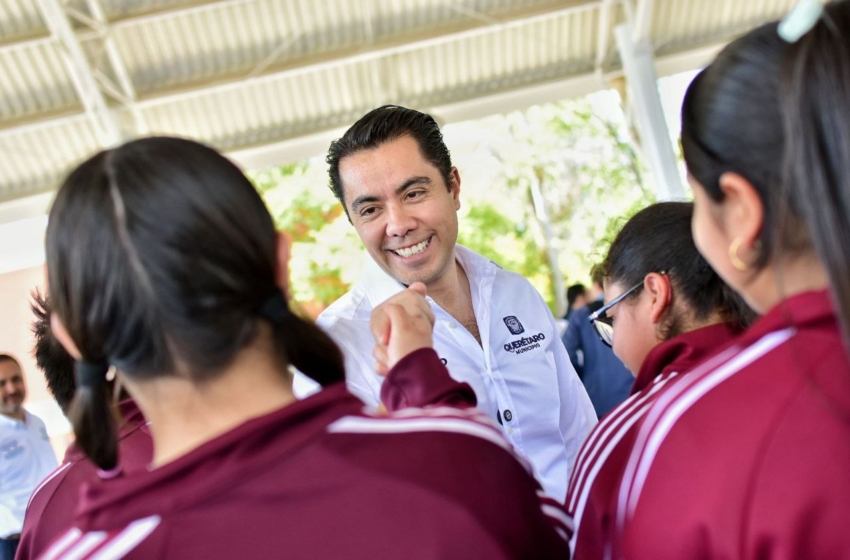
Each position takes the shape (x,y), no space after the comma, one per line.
(420,379)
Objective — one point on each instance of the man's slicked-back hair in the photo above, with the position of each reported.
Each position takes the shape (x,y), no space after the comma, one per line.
(383,125)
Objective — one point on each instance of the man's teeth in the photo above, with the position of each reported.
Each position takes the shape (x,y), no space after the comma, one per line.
(415,250)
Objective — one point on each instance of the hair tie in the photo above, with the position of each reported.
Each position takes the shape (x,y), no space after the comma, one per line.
(90,374)
(275,308)
(800,20)
(114,472)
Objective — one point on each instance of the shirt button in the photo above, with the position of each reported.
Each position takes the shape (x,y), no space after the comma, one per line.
(452,325)
(508,416)
(510,431)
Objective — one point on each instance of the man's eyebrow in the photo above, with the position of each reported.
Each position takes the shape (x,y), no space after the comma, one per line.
(367,198)
(421,180)
(364,199)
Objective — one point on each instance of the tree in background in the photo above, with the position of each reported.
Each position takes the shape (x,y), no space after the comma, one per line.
(541,191)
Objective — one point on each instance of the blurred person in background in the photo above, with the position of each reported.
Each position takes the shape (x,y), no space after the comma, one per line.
(26,456)
(576,299)
(605,378)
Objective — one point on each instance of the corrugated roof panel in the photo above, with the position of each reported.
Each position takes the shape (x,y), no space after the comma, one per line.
(235,38)
(34,80)
(19,19)
(318,63)
(679,24)
(503,58)
(38,158)
(122,9)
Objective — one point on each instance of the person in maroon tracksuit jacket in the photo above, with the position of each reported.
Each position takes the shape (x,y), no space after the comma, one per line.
(53,504)
(748,457)
(675,312)
(164,263)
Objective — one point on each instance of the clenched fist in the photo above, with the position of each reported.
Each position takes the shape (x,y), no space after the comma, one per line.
(400,325)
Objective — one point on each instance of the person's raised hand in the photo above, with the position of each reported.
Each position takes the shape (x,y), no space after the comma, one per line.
(400,325)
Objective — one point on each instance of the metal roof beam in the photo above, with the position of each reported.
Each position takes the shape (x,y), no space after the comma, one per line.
(118,66)
(604,33)
(104,120)
(642,20)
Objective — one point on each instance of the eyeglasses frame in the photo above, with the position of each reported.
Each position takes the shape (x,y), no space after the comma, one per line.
(599,314)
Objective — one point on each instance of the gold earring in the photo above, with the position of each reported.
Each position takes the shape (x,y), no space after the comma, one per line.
(733,253)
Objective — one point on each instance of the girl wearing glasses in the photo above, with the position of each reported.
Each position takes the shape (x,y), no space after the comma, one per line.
(667,310)
(749,455)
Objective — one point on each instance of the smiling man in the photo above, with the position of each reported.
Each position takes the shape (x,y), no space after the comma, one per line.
(393,174)
(26,456)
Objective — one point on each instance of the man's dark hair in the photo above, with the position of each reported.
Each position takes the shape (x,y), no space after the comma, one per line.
(50,357)
(383,125)
(573,292)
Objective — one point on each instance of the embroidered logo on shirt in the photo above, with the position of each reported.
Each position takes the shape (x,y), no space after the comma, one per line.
(513,324)
(525,344)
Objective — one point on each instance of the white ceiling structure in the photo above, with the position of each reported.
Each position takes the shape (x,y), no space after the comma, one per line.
(272,81)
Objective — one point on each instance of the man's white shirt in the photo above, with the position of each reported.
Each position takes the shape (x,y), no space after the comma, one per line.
(520,373)
(26,458)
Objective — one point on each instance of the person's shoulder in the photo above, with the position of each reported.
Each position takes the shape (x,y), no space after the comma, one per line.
(580,315)
(416,429)
(34,421)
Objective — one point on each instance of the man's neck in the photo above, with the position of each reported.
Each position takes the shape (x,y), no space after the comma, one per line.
(449,289)
(454,294)
(20,416)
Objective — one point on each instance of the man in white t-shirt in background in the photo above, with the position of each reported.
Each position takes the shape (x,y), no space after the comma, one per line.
(393,175)
(26,456)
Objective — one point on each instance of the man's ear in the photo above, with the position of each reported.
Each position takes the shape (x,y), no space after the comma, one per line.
(658,286)
(454,186)
(743,210)
(283,254)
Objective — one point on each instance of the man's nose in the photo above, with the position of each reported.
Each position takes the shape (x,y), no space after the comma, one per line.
(399,222)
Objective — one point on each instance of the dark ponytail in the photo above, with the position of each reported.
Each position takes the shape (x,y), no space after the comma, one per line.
(159,255)
(778,114)
(815,101)
(92,416)
(303,344)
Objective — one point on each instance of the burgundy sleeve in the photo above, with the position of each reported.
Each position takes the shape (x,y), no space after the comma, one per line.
(420,379)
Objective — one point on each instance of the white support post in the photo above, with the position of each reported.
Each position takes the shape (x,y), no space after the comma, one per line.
(639,69)
(103,118)
(121,73)
(541,212)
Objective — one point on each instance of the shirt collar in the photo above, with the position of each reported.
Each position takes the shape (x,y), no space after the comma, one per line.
(801,310)
(14,421)
(682,353)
